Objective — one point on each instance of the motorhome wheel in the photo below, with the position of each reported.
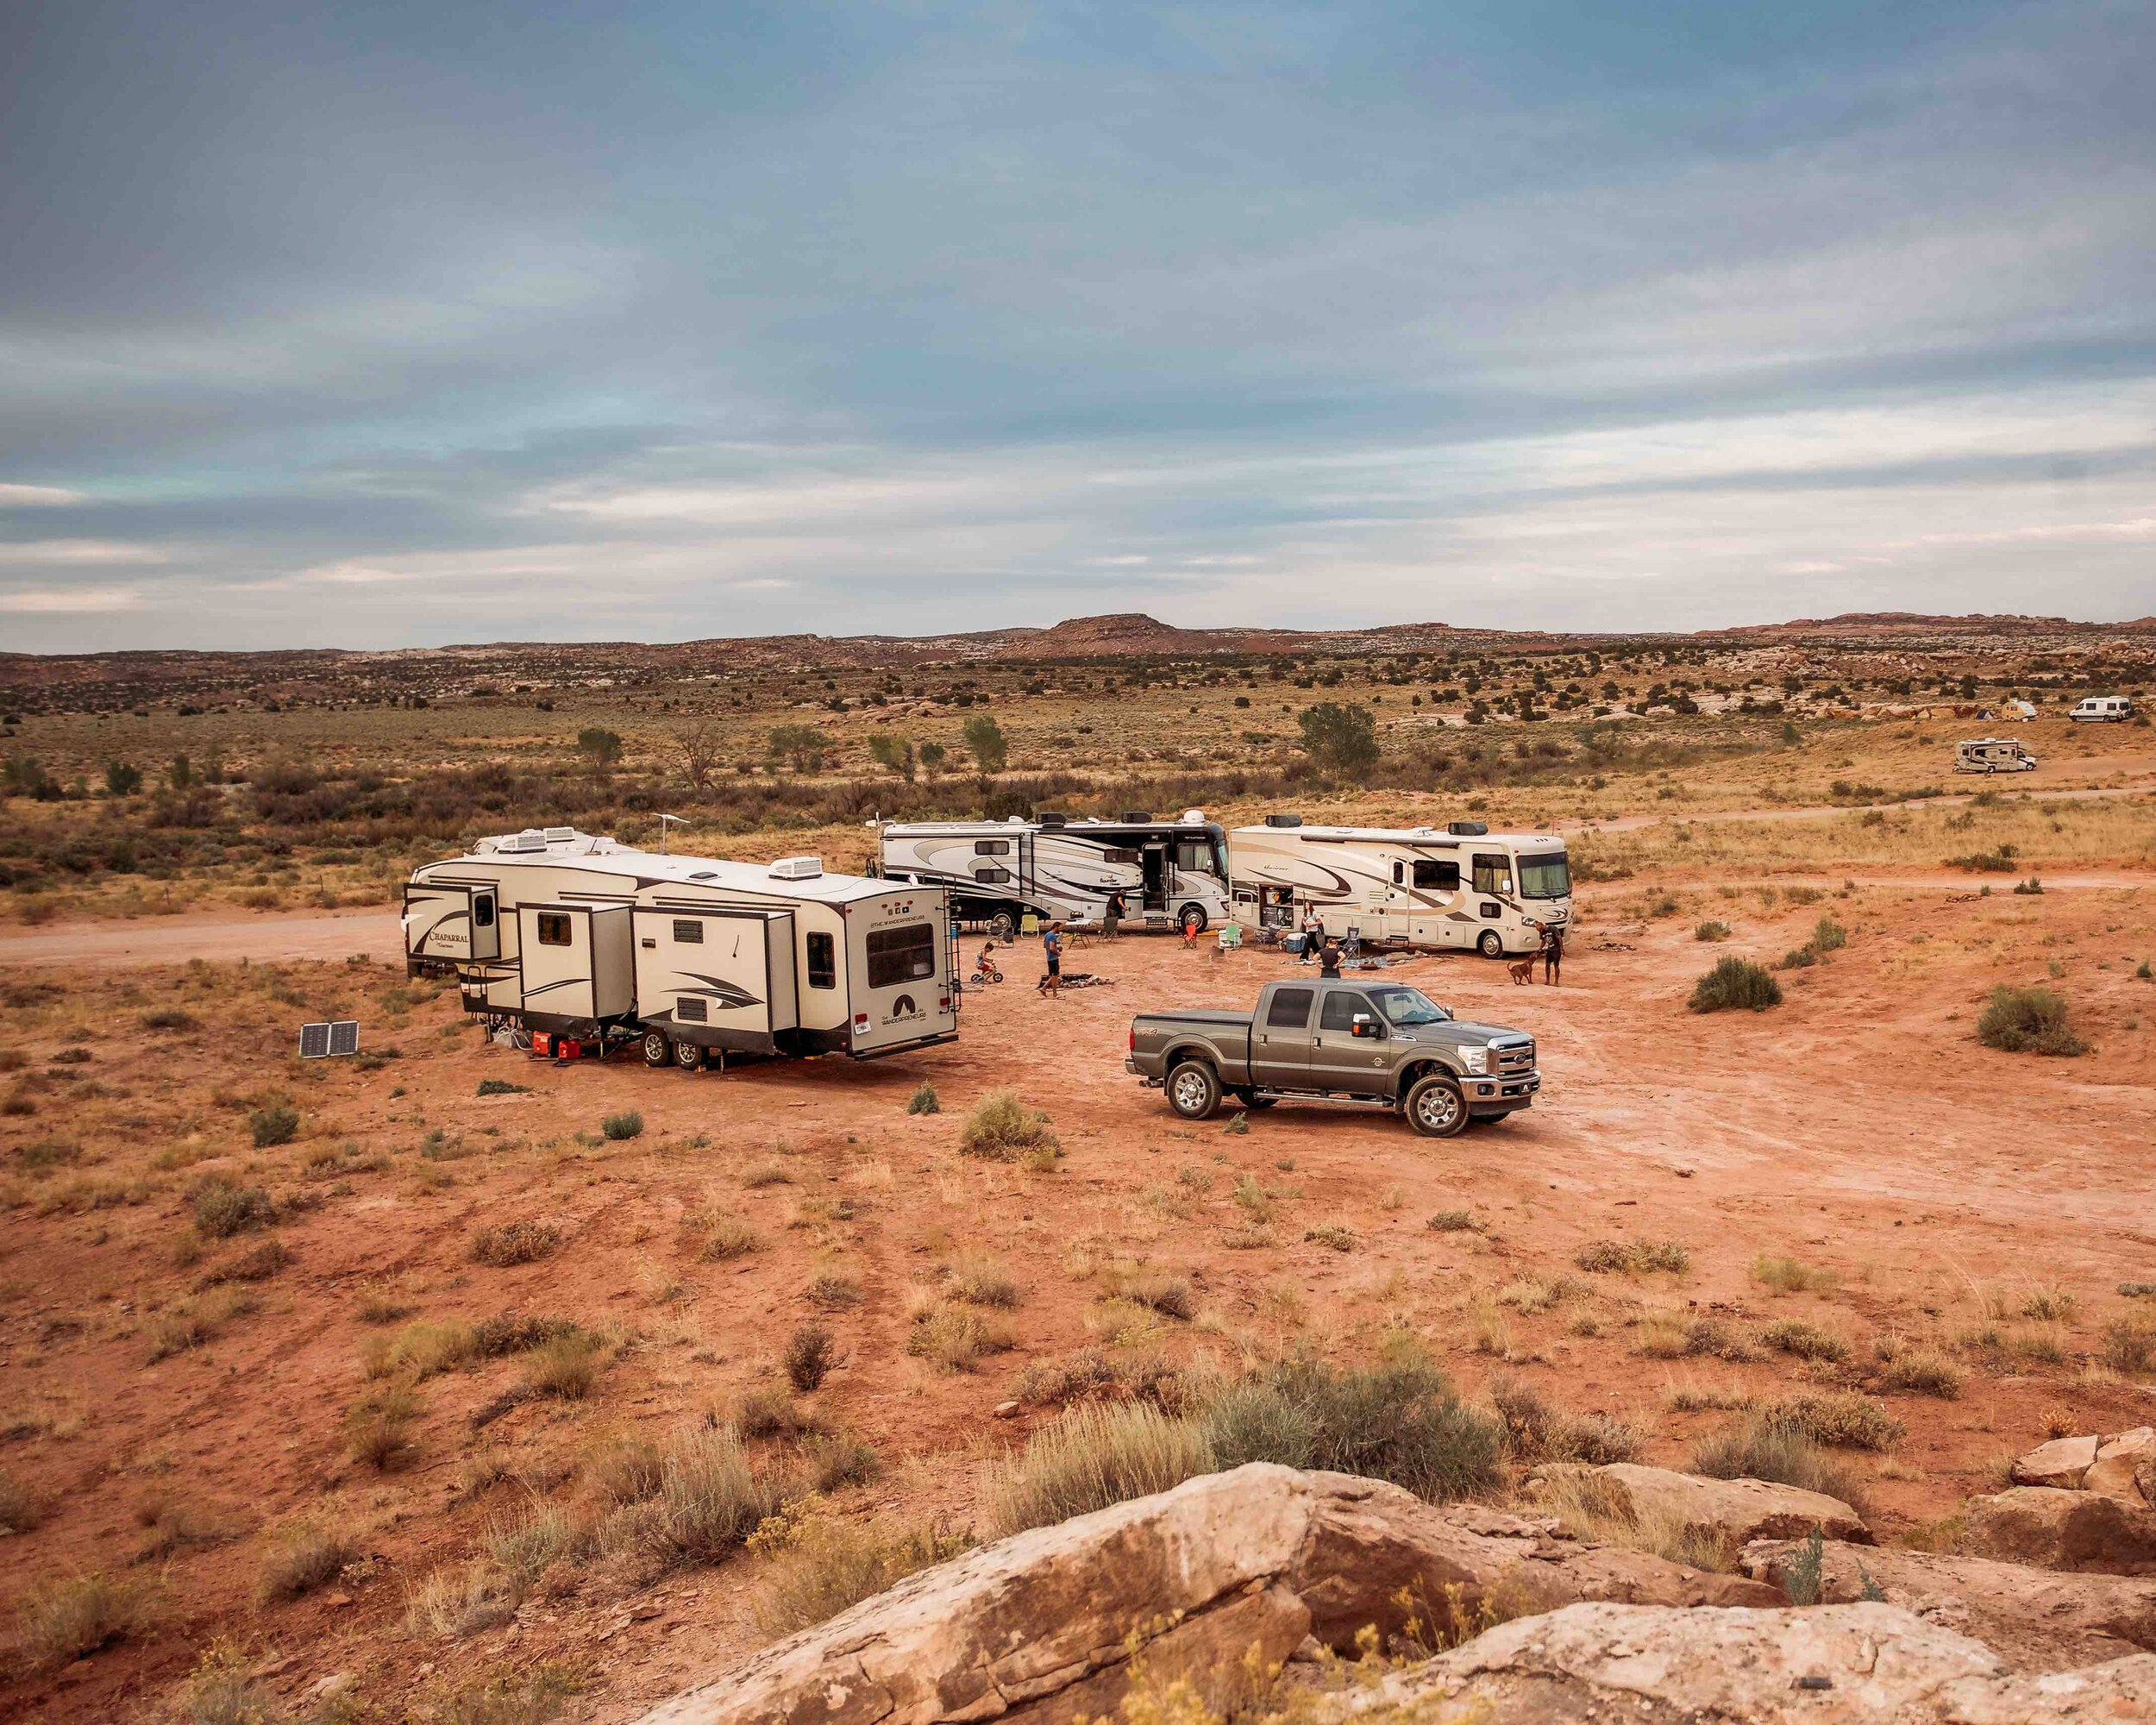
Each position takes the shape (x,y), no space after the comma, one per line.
(658,1051)
(688,1056)
(1003,926)
(1193,919)
(1492,945)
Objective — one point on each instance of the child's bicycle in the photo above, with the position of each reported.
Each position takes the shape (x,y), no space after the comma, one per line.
(984,969)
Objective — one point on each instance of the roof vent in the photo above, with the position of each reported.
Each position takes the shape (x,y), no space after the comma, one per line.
(797,867)
(529,839)
(561,835)
(1467,829)
(1048,818)
(1283,820)
(1137,814)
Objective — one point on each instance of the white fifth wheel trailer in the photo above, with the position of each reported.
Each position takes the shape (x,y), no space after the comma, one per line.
(1421,886)
(564,934)
(1172,874)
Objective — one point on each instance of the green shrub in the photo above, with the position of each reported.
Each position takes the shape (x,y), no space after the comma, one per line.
(222,1209)
(1001,1128)
(627,1124)
(2030,1021)
(1711,931)
(1733,984)
(924,1101)
(502,1087)
(1828,936)
(273,1125)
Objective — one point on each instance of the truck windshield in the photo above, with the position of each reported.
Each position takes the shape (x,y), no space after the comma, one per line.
(1546,876)
(1405,1007)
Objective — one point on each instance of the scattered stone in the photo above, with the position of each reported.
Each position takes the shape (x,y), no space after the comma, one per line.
(1008,1410)
(2120,1464)
(2068,1530)
(331,1688)
(2034,1620)
(2060,1463)
(1732,1511)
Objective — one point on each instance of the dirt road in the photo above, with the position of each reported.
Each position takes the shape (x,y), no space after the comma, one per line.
(174,940)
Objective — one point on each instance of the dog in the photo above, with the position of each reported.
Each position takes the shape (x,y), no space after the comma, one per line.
(1523,970)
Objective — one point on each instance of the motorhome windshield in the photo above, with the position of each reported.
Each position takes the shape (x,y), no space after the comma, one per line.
(1546,876)
(1406,1006)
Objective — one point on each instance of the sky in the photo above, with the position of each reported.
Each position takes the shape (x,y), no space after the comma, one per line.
(391,324)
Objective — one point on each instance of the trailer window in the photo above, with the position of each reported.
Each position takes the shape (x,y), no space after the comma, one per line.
(901,955)
(1290,1009)
(483,912)
(688,931)
(1437,877)
(554,928)
(992,847)
(1546,876)
(1493,874)
(822,961)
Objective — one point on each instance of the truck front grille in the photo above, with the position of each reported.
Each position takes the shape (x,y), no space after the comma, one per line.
(1515,1058)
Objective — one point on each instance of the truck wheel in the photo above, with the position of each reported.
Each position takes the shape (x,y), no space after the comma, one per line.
(1436,1109)
(1492,945)
(688,1056)
(1004,924)
(1193,919)
(1194,1090)
(658,1051)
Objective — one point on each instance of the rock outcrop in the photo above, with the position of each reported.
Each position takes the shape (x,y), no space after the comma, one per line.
(2034,1620)
(2054,1528)
(1839,1665)
(2122,1465)
(1035,1626)
(1731,1511)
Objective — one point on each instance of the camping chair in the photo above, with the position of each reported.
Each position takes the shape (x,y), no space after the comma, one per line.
(1028,924)
(1231,936)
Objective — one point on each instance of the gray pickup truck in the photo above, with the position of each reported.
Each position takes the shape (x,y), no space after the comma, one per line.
(1380,1045)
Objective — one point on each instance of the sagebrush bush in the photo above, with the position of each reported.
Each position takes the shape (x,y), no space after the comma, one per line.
(810,1351)
(1806,1341)
(2027,1021)
(1923,1371)
(1001,1128)
(626,1124)
(523,1241)
(222,1209)
(1711,931)
(1842,1417)
(273,1125)
(1735,983)
(21,1508)
(378,1428)
(819,1563)
(75,1616)
(305,1557)
(1770,1446)
(565,1366)
(709,1500)
(2130,1346)
(1786,1275)
(1538,1429)
(924,1101)
(1609,1256)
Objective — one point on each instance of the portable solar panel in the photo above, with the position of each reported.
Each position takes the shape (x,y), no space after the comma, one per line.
(314,1041)
(344,1036)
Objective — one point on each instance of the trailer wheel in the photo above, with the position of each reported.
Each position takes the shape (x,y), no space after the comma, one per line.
(1194,1090)
(1004,924)
(688,1056)
(1193,919)
(1435,1107)
(658,1051)
(1492,945)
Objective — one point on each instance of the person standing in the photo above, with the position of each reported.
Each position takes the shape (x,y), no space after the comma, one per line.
(1329,958)
(1113,916)
(1052,949)
(1552,953)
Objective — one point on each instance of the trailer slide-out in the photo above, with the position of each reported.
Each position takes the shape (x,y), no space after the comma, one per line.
(572,935)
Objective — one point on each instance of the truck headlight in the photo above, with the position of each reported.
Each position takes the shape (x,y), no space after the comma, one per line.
(1475,1059)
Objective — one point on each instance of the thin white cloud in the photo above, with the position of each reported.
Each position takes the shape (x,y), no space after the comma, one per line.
(41,553)
(36,497)
(65,602)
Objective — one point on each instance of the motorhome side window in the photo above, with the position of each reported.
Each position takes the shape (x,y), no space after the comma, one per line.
(1290,1009)
(688,931)
(554,929)
(1493,874)
(1194,855)
(1400,873)
(992,847)
(901,955)
(1432,875)
(483,912)
(989,874)
(1115,853)
(822,961)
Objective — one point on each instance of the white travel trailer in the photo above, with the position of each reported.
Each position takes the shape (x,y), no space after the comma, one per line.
(1172,874)
(1461,886)
(565,933)
(1993,755)
(2103,709)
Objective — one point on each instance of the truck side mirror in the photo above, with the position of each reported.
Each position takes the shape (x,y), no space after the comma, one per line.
(1364,1024)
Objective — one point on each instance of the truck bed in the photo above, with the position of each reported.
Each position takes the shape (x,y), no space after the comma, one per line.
(1202,1017)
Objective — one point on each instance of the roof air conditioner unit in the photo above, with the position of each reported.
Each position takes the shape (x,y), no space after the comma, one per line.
(1137,814)
(560,835)
(1048,818)
(1467,829)
(797,867)
(529,839)
(1283,820)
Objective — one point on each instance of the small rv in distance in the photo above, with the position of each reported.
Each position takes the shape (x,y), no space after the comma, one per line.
(565,934)
(1993,755)
(2103,709)
(1171,874)
(1460,887)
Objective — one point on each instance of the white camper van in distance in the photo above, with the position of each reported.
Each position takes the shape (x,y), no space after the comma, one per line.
(1461,886)
(1172,874)
(2102,709)
(560,931)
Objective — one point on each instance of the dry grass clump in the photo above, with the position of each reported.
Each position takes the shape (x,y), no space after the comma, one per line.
(1538,1429)
(78,1615)
(1783,1275)
(771,1413)
(527,1697)
(1664,1333)
(420,1350)
(521,1241)
(726,1238)
(1633,1257)
(222,1690)
(1842,1417)
(833,1291)
(1592,1506)
(981,1279)
(626,1467)
(817,1562)
(810,1351)
(1453,1222)
(512,1332)
(838,1459)
(1773,1447)
(1331,1236)
(2027,1021)
(222,1209)
(306,1555)
(955,1337)
(709,1499)
(378,1428)
(566,1366)
(1156,1290)
(1086,1372)
(1001,1128)
(1806,1341)
(1921,1371)
(1088,1458)
(20,1508)
(258,1264)
(2129,1345)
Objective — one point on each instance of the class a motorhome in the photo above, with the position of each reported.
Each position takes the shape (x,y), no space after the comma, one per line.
(1459,886)
(1172,874)
(556,931)
(2102,710)
(1993,755)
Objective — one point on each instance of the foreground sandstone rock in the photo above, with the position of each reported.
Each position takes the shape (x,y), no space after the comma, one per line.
(2058,1529)
(1035,1626)
(2118,1466)
(1732,1511)
(1840,1664)
(2034,1620)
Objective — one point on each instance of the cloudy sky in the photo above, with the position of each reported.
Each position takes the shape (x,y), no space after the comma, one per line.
(403,323)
